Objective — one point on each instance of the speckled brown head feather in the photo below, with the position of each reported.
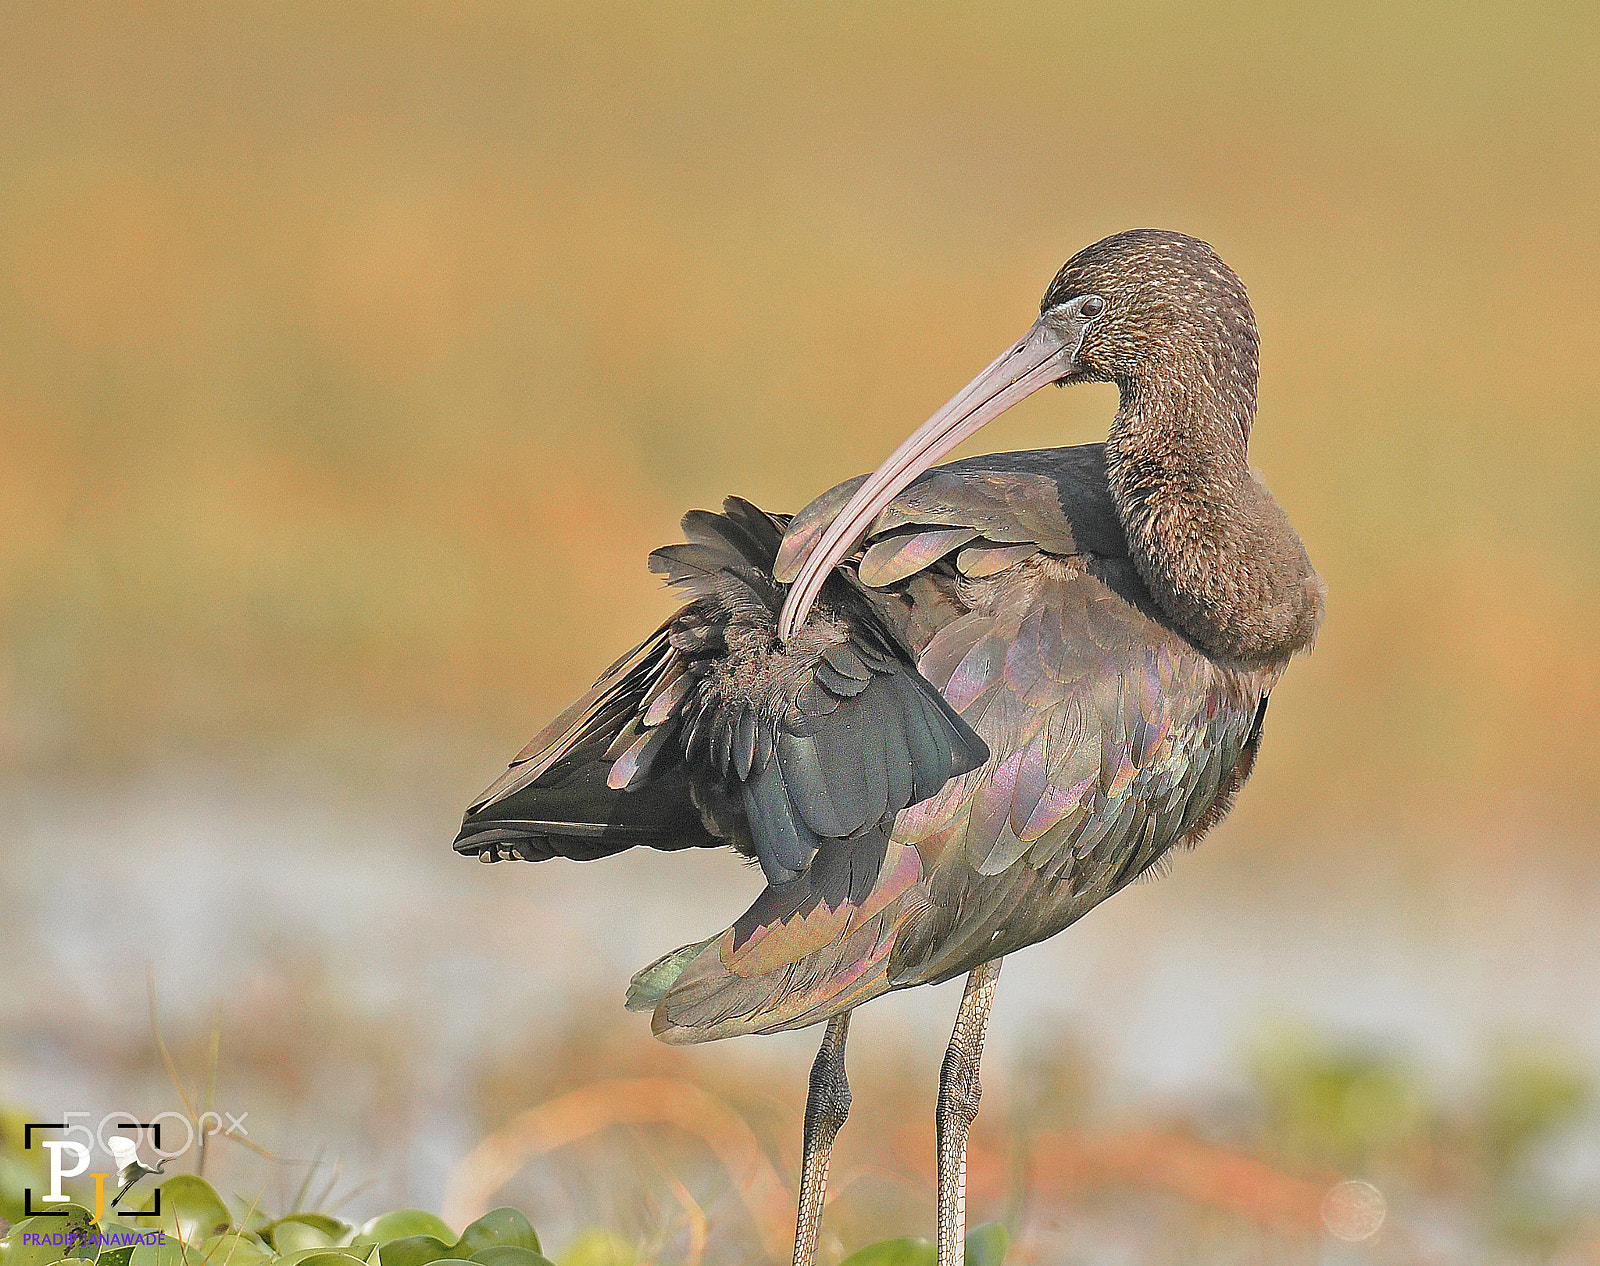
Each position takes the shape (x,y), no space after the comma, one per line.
(1174,313)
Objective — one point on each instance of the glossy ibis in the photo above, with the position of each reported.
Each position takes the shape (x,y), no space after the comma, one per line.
(948,710)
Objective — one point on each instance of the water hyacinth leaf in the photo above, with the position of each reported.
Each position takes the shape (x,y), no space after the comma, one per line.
(330,1258)
(401,1223)
(79,1234)
(414,1250)
(364,1253)
(192,1210)
(53,1238)
(231,1249)
(599,1247)
(510,1255)
(301,1231)
(118,1240)
(499,1226)
(987,1245)
(334,1229)
(912,1251)
(171,1251)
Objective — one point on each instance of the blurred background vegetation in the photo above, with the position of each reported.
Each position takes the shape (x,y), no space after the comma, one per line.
(353,356)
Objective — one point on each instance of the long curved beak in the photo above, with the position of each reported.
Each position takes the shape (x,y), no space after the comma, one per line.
(1046,354)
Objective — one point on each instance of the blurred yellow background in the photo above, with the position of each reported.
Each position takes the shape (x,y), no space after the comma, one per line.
(352,358)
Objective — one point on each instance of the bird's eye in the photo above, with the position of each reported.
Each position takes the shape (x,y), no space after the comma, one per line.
(1092,306)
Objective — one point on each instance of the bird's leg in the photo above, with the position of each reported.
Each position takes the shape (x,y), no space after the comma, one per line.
(958,1108)
(827,1104)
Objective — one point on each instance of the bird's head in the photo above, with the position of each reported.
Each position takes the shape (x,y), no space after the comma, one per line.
(1145,307)
(1165,306)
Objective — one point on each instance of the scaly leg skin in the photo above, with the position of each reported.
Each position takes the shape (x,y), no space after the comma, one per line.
(827,1104)
(958,1108)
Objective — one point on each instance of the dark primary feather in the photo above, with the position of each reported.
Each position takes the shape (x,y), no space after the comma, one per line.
(710,732)
(555,799)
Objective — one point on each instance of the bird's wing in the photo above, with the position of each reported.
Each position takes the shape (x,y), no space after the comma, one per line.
(1114,740)
(559,797)
(984,514)
(124,1151)
(800,756)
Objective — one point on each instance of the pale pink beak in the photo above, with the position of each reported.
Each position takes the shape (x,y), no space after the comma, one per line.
(1046,354)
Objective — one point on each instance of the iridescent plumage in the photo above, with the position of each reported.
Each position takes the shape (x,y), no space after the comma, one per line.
(1026,679)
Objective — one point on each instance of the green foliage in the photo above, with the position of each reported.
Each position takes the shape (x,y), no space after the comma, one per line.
(1341,1107)
(303,1230)
(233,1248)
(497,1228)
(117,1246)
(986,1246)
(509,1255)
(191,1210)
(403,1223)
(912,1251)
(1530,1093)
(168,1252)
(599,1247)
(75,1232)
(197,1229)
(1360,1110)
(414,1250)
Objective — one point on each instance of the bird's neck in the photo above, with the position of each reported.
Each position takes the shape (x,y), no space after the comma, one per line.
(1215,549)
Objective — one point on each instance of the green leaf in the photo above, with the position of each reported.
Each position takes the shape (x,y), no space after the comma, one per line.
(406,1222)
(233,1249)
(908,1252)
(498,1226)
(509,1255)
(414,1250)
(291,1234)
(987,1244)
(599,1247)
(359,1253)
(169,1252)
(77,1226)
(330,1259)
(118,1240)
(191,1209)
(331,1225)
(305,1230)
